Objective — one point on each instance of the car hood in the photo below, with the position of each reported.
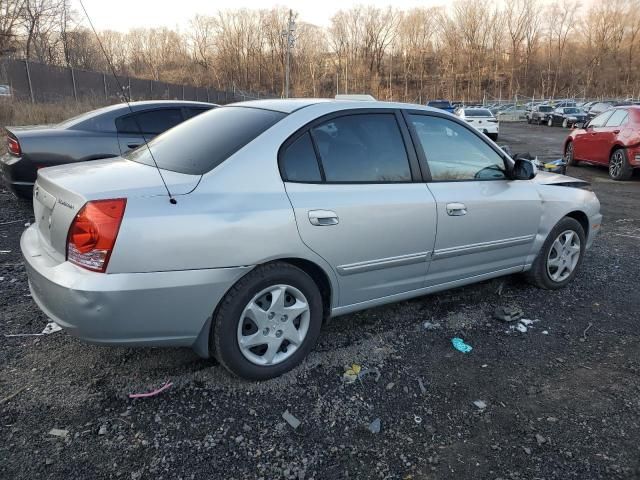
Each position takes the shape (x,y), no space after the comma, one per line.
(548,178)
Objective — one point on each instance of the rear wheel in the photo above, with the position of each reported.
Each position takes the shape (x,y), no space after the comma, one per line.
(619,168)
(560,256)
(550,122)
(565,123)
(268,322)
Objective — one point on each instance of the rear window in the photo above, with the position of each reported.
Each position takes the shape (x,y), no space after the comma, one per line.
(204,142)
(437,104)
(477,112)
(545,109)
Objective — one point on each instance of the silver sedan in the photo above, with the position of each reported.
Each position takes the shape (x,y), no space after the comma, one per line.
(239,231)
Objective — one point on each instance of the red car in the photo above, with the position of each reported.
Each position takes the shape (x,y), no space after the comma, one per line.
(612,138)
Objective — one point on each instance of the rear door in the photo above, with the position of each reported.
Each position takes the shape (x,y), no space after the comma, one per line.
(609,133)
(135,128)
(359,202)
(486,222)
(588,146)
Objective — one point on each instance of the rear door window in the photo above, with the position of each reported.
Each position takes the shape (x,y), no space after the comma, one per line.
(362,148)
(601,119)
(201,144)
(617,118)
(151,122)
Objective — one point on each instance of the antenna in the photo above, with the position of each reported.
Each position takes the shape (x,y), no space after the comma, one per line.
(126,98)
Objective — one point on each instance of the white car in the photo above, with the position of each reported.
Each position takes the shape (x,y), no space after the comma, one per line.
(482,119)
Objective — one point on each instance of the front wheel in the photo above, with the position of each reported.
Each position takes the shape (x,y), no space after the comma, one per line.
(568,155)
(619,168)
(565,123)
(560,256)
(550,122)
(268,322)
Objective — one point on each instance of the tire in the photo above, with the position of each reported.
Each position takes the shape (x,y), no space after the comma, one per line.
(542,273)
(232,322)
(550,122)
(565,123)
(619,168)
(568,155)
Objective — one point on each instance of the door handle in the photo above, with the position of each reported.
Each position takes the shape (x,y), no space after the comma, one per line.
(323,218)
(616,131)
(134,145)
(456,209)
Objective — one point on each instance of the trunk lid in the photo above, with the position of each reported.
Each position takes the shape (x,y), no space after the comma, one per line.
(60,192)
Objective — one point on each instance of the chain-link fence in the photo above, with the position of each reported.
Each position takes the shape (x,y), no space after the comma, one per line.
(41,83)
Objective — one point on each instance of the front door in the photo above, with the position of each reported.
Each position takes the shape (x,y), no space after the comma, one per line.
(486,222)
(359,203)
(588,145)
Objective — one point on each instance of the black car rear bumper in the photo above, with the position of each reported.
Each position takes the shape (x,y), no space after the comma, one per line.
(17,176)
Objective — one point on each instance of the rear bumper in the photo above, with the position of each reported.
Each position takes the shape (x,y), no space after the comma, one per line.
(152,309)
(17,176)
(633,154)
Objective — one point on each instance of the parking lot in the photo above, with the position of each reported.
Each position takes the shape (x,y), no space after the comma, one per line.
(560,400)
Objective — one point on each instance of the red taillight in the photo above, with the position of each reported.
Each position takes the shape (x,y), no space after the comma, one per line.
(14,146)
(93,233)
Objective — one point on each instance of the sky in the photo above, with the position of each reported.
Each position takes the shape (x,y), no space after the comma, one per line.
(123,15)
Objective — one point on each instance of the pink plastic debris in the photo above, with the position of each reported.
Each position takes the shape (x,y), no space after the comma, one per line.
(153,393)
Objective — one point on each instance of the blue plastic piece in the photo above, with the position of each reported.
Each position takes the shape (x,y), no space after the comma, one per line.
(459,345)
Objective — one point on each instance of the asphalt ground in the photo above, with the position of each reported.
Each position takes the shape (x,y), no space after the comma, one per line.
(561,401)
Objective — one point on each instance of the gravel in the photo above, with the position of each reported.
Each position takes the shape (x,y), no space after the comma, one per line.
(581,397)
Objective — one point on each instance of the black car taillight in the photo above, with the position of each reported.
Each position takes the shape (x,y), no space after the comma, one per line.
(13,145)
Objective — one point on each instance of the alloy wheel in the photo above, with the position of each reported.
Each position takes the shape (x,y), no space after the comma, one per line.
(616,164)
(273,325)
(568,154)
(563,256)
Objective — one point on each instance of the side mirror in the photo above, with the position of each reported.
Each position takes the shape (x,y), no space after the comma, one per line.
(523,170)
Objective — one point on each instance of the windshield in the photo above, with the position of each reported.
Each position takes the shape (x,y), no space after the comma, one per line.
(571,110)
(477,112)
(202,143)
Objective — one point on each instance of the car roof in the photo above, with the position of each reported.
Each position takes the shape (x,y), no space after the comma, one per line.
(135,106)
(291,105)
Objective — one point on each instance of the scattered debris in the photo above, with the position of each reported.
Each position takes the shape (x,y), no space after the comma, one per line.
(540,439)
(552,419)
(430,326)
(508,314)
(50,327)
(526,322)
(58,432)
(102,430)
(521,328)
(374,427)
(545,332)
(584,333)
(423,390)
(500,288)
(152,393)
(5,251)
(369,371)
(14,394)
(459,345)
(481,404)
(390,385)
(351,373)
(417,419)
(527,450)
(291,420)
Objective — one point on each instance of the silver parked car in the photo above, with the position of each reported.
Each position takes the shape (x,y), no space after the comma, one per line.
(285,213)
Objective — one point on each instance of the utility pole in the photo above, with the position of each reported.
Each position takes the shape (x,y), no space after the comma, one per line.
(288,34)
